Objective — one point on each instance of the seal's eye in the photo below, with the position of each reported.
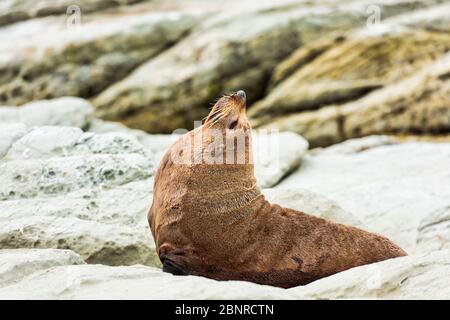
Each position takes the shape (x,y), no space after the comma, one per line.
(233,125)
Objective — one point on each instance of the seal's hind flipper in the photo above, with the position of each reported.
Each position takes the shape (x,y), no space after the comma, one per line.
(170,267)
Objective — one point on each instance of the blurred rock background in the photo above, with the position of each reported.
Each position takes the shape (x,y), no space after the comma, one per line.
(90,89)
(328,70)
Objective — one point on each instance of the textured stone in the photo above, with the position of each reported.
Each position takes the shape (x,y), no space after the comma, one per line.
(134,282)
(311,203)
(65,111)
(16,264)
(45,58)
(62,188)
(434,231)
(413,277)
(16,10)
(390,187)
(417,104)
(223,54)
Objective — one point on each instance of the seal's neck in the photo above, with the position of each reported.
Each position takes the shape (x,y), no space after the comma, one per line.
(223,188)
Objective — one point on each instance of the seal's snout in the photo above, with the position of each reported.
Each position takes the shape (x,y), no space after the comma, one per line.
(241,94)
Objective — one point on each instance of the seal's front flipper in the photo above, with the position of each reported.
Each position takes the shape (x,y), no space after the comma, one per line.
(170,267)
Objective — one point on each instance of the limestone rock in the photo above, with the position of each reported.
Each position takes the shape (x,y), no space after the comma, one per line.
(390,187)
(412,277)
(434,231)
(16,264)
(416,104)
(276,155)
(353,146)
(10,133)
(133,282)
(16,10)
(434,18)
(219,57)
(344,72)
(62,188)
(311,203)
(65,111)
(45,58)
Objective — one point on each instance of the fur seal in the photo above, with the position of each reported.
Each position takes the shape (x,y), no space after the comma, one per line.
(209,218)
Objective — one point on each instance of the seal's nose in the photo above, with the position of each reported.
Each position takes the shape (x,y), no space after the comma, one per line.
(241,93)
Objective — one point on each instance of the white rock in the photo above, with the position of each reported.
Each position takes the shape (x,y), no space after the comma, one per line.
(135,282)
(434,231)
(392,188)
(65,111)
(310,203)
(10,133)
(353,146)
(62,188)
(411,277)
(19,263)
(276,155)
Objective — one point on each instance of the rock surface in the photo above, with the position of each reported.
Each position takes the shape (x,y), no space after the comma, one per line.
(65,111)
(412,277)
(411,98)
(62,188)
(16,10)
(45,58)
(17,264)
(389,186)
(434,231)
(219,57)
(311,203)
(134,282)
(307,67)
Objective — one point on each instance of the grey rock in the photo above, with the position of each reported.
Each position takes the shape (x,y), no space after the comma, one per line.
(311,203)
(132,282)
(434,231)
(412,277)
(62,188)
(390,187)
(416,104)
(45,58)
(223,54)
(16,10)
(64,111)
(10,133)
(17,264)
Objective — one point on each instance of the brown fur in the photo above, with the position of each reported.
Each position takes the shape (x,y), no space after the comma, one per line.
(211,220)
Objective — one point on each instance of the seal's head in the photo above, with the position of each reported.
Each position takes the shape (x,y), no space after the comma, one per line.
(226,136)
(229,113)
